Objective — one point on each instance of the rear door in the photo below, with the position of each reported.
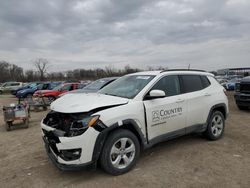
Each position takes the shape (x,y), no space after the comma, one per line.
(197,97)
(168,114)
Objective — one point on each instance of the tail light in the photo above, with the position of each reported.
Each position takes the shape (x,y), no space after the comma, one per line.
(225,91)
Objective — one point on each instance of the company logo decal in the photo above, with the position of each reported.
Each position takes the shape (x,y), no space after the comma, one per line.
(158,116)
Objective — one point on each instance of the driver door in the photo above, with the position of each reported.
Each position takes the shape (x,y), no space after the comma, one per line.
(168,114)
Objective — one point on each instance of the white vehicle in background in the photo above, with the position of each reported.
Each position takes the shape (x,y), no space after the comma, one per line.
(7,87)
(131,114)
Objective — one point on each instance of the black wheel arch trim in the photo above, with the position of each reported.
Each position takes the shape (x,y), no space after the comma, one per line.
(220,105)
(101,138)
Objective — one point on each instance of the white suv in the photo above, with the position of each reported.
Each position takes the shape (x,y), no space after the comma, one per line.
(131,114)
(9,86)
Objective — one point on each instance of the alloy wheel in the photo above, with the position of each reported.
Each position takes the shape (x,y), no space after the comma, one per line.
(122,153)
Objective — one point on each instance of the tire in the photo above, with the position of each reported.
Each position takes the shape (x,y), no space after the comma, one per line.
(8,125)
(242,107)
(216,126)
(26,123)
(1,92)
(115,148)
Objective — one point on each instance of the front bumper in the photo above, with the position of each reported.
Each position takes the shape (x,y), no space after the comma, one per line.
(56,144)
(61,166)
(242,99)
(20,95)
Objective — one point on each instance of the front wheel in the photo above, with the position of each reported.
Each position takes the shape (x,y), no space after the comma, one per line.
(216,126)
(120,152)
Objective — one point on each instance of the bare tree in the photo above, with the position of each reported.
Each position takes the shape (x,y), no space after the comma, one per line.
(41,65)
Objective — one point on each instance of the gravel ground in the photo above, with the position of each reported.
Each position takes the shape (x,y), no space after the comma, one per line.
(189,161)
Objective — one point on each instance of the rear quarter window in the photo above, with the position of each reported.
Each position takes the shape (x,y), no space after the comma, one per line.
(205,82)
(191,83)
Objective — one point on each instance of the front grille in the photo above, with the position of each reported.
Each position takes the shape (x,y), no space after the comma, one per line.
(245,97)
(245,87)
(243,103)
(51,140)
(51,137)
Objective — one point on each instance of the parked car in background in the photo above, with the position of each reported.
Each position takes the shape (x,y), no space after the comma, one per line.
(222,80)
(242,94)
(26,86)
(230,84)
(28,92)
(54,93)
(93,86)
(9,86)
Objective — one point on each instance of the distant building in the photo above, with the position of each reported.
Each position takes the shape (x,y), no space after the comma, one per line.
(234,71)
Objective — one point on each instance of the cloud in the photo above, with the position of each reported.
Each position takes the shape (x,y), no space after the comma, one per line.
(208,34)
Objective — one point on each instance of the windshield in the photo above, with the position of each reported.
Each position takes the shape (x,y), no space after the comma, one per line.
(127,86)
(40,87)
(32,85)
(96,85)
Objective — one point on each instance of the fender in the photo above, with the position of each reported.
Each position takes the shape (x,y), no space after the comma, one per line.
(220,105)
(126,124)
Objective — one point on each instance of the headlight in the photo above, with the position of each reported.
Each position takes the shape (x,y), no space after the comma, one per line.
(79,127)
(88,121)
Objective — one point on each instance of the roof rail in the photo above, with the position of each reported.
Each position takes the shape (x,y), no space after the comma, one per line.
(183,70)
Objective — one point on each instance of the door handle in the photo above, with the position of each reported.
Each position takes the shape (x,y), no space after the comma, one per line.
(207,94)
(180,100)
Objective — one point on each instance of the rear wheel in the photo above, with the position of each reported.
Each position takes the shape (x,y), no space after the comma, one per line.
(1,92)
(242,107)
(120,152)
(216,125)
(26,123)
(8,125)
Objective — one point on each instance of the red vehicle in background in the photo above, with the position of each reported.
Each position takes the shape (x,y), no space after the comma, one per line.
(54,93)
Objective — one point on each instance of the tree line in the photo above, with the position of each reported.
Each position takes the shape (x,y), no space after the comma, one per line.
(12,72)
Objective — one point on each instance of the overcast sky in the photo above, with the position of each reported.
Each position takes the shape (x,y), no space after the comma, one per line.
(208,34)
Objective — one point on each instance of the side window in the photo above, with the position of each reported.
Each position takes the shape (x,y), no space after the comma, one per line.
(191,83)
(205,81)
(67,88)
(14,84)
(169,84)
(80,86)
(52,85)
(71,87)
(45,86)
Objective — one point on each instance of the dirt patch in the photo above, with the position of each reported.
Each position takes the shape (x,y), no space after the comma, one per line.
(189,161)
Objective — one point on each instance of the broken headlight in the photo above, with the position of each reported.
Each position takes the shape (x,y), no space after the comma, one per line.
(80,126)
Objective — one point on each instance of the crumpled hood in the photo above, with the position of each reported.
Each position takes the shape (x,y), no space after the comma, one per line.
(85,102)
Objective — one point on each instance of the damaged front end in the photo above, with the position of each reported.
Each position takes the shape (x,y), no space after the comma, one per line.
(68,136)
(70,125)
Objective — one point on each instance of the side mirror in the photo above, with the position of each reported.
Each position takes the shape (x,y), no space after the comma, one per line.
(154,94)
